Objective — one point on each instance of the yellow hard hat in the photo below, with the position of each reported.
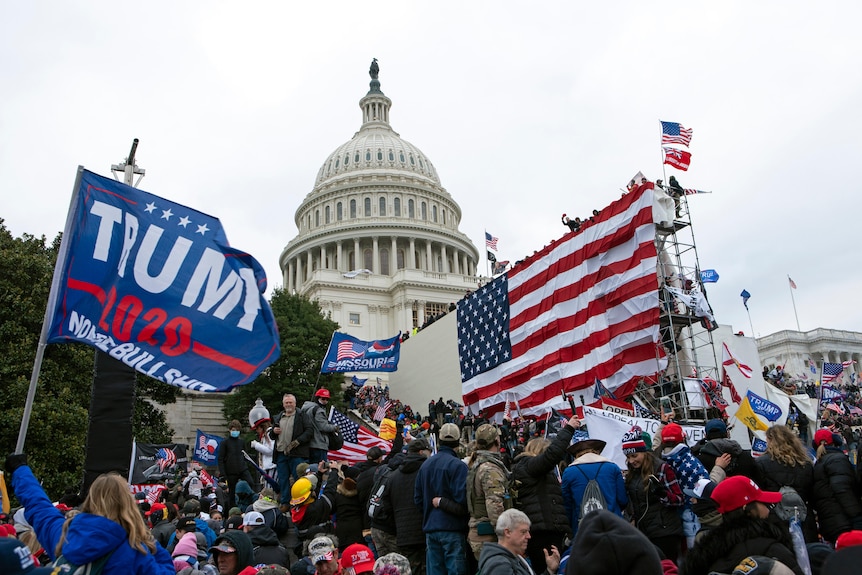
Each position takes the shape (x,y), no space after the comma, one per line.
(300,491)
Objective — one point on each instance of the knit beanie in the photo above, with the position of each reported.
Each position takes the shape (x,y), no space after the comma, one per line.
(633,442)
(607,544)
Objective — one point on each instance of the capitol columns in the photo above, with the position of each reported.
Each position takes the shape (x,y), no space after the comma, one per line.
(339,263)
(412,257)
(393,256)
(443,259)
(323,265)
(428,257)
(375,258)
(356,264)
(291,275)
(299,278)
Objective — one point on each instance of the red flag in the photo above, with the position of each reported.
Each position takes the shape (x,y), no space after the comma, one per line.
(726,360)
(677,158)
(581,308)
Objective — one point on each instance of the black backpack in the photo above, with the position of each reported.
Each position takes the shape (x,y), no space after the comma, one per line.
(377,510)
(593,499)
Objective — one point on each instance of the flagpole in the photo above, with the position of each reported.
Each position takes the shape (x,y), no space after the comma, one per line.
(487,261)
(661,153)
(790,287)
(819,397)
(62,256)
(748,311)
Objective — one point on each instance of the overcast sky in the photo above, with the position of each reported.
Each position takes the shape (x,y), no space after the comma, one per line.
(526,109)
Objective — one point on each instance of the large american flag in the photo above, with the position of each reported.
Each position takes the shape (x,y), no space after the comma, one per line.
(349,350)
(357,440)
(677,158)
(673,133)
(831,371)
(585,307)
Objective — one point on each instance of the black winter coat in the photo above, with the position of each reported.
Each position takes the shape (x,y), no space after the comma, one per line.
(267,548)
(348,517)
(773,475)
(302,432)
(539,492)
(742,463)
(836,495)
(399,491)
(651,517)
(721,549)
(230,459)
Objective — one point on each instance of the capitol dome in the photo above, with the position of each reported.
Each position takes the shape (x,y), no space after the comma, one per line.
(378,243)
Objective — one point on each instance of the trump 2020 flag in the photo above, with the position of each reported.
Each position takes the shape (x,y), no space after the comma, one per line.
(206,448)
(583,308)
(347,353)
(155,285)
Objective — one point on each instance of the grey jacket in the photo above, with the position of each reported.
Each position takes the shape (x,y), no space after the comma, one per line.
(316,414)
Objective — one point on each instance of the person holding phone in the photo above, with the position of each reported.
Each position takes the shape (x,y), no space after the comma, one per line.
(655,496)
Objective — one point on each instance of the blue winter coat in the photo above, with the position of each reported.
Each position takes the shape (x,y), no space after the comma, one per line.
(88,538)
(442,475)
(609,478)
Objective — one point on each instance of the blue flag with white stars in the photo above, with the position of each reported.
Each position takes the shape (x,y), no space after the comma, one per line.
(483,328)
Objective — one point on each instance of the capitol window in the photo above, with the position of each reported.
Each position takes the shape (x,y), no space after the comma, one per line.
(316,218)
(401,156)
(379,155)
(346,159)
(339,211)
(411,212)
(354,319)
(412,162)
(381,209)
(444,215)
(391,156)
(434,213)
(337,163)
(368,259)
(356,158)
(328,215)
(353,209)
(367,207)
(424,210)
(367,155)
(396,203)
(384,261)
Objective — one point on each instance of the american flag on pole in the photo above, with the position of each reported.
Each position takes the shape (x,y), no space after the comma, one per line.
(357,440)
(692,191)
(677,158)
(491,241)
(792,283)
(832,371)
(382,408)
(583,307)
(673,133)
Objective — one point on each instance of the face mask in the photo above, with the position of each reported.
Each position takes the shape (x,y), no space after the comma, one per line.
(234,433)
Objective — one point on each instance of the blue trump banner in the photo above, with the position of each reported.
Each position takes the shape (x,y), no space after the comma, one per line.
(708,276)
(155,285)
(763,407)
(206,448)
(346,353)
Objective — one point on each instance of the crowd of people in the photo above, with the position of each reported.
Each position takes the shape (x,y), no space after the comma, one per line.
(456,495)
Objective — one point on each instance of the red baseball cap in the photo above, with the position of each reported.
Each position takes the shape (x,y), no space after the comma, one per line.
(322,392)
(737,491)
(672,433)
(359,557)
(156,508)
(848,539)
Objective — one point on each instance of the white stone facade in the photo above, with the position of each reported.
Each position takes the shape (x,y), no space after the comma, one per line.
(794,349)
(378,210)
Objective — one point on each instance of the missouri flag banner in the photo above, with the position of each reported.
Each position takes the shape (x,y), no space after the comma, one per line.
(347,353)
(156,285)
(583,308)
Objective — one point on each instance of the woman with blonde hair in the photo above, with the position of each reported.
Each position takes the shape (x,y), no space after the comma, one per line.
(109,531)
(786,463)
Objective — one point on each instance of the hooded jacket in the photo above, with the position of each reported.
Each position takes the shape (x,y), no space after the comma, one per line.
(722,548)
(89,537)
(240,541)
(349,512)
(607,475)
(772,475)
(267,548)
(742,463)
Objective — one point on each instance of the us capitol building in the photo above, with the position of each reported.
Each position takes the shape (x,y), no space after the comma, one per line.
(378,244)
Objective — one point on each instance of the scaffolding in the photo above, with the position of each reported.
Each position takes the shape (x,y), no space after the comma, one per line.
(684,337)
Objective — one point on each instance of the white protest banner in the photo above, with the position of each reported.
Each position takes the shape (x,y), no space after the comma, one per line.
(610,428)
